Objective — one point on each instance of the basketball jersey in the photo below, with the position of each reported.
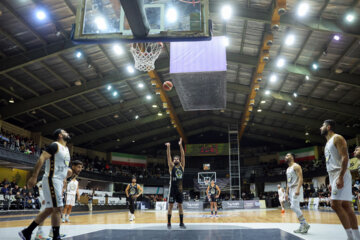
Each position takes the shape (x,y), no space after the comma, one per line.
(281,193)
(57,165)
(72,187)
(133,190)
(212,190)
(292,177)
(332,156)
(176,177)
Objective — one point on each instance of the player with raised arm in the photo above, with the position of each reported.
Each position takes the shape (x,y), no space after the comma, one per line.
(176,169)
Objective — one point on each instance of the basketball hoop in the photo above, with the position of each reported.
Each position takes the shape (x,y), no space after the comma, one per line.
(145,55)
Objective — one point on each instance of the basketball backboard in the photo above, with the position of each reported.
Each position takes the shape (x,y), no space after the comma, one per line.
(101,21)
(204,178)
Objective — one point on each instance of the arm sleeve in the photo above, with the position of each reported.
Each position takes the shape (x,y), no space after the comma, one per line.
(52,148)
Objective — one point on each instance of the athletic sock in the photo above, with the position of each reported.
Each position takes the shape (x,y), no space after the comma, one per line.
(215,212)
(211,212)
(356,234)
(56,232)
(302,220)
(349,234)
(181,218)
(169,218)
(31,227)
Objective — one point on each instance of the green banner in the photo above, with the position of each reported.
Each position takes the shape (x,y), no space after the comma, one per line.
(208,149)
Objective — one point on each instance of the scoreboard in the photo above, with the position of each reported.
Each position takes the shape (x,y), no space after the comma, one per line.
(208,149)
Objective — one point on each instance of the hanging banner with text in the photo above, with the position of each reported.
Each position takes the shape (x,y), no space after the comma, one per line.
(128,159)
(208,149)
(302,154)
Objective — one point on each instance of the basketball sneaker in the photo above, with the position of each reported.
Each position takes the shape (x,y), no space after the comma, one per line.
(283,211)
(305,228)
(169,225)
(298,230)
(182,225)
(67,219)
(24,235)
(40,236)
(63,220)
(51,234)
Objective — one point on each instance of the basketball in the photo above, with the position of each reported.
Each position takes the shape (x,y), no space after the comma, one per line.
(167,86)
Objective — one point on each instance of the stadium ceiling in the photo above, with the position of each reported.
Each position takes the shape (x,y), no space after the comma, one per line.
(52,87)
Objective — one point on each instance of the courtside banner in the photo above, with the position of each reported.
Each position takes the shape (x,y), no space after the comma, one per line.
(191,205)
(209,149)
(128,159)
(302,154)
(233,204)
(250,204)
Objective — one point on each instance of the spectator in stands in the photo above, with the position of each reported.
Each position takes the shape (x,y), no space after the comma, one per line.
(15,190)
(19,201)
(13,183)
(5,190)
(30,201)
(24,191)
(357,185)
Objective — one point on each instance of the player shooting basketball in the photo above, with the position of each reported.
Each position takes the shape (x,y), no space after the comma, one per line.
(176,169)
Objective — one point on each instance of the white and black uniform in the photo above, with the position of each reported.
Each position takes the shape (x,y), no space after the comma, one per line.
(71,190)
(293,182)
(176,185)
(281,195)
(41,196)
(56,169)
(333,167)
(133,191)
(213,193)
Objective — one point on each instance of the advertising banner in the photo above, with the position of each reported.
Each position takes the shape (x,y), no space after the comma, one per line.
(233,204)
(193,205)
(251,204)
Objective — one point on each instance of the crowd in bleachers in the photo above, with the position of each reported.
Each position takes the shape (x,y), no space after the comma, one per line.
(98,165)
(12,196)
(18,143)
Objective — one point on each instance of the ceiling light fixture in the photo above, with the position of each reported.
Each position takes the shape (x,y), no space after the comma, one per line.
(226,12)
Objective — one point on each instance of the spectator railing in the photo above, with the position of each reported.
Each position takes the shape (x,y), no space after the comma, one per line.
(251,173)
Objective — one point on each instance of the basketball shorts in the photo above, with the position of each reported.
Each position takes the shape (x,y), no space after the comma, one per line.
(175,196)
(296,199)
(213,198)
(70,199)
(282,199)
(52,190)
(345,193)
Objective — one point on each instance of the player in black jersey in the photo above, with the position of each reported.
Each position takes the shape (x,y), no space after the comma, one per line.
(133,191)
(213,193)
(176,169)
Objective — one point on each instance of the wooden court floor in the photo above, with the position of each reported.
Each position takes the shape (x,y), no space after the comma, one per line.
(240,216)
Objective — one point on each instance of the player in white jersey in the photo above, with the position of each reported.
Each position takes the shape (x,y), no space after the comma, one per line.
(294,191)
(72,192)
(337,165)
(56,157)
(40,232)
(281,193)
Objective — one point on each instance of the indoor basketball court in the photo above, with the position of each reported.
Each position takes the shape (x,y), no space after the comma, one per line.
(251,88)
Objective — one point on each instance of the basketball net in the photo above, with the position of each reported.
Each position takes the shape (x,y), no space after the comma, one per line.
(145,55)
